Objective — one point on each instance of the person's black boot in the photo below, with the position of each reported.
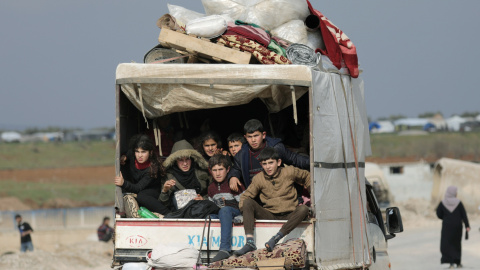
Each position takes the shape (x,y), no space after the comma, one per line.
(249,246)
(273,241)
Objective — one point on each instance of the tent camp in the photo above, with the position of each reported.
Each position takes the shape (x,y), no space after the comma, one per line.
(454,122)
(381,127)
(462,174)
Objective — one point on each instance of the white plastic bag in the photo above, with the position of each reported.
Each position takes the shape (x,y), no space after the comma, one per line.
(293,31)
(207,27)
(173,256)
(265,13)
(183,197)
(183,15)
(315,39)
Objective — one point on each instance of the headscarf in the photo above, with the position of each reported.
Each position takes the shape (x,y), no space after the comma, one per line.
(450,201)
(188,179)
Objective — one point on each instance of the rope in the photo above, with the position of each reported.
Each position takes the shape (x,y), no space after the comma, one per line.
(158,136)
(300,54)
(294,103)
(139,88)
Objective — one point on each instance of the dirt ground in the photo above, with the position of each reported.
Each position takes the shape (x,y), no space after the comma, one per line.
(82,176)
(64,249)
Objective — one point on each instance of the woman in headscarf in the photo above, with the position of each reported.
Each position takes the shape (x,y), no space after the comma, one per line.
(186,169)
(452,212)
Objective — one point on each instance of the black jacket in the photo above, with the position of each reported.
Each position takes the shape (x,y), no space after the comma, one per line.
(137,180)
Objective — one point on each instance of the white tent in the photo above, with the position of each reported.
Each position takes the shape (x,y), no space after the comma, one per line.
(454,122)
(383,127)
(11,136)
(411,122)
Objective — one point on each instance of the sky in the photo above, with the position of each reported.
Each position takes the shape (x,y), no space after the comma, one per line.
(58,57)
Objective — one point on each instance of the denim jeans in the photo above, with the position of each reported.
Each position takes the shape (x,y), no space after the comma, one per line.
(26,246)
(226,215)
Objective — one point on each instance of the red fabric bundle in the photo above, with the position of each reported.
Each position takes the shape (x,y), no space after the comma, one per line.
(338,45)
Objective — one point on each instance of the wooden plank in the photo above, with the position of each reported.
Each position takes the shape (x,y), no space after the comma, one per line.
(204,49)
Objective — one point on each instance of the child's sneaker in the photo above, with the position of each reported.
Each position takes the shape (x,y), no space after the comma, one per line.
(221,255)
(247,248)
(272,242)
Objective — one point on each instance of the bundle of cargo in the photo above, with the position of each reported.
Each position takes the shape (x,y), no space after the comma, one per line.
(253,32)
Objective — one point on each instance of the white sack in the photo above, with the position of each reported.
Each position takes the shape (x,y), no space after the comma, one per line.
(173,256)
(207,27)
(293,31)
(183,15)
(315,39)
(265,13)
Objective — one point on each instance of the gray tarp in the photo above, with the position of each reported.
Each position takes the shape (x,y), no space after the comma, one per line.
(341,240)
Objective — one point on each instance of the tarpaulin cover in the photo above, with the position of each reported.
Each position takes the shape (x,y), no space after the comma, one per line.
(339,115)
(162,99)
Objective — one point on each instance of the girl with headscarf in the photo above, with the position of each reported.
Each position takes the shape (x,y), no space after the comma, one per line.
(186,169)
(141,172)
(452,212)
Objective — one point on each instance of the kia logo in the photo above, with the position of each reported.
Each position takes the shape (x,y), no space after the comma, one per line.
(136,241)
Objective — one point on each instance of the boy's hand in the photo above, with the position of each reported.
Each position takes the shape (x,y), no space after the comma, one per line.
(234,183)
(198,198)
(168,185)
(119,180)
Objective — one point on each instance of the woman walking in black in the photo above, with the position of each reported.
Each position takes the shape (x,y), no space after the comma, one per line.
(452,212)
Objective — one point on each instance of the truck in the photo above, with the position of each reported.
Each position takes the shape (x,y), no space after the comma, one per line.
(320,112)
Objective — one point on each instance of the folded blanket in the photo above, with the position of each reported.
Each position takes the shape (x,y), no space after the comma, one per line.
(294,251)
(338,45)
(263,55)
(256,34)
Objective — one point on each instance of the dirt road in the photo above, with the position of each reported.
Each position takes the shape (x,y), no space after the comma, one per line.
(418,248)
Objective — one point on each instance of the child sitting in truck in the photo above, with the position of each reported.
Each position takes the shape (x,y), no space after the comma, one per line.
(186,169)
(227,200)
(246,165)
(275,188)
(141,172)
(210,144)
(235,142)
